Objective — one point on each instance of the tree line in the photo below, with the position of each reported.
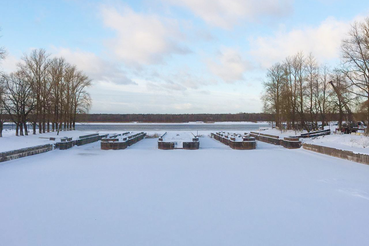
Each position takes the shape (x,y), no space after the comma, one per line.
(173,118)
(46,92)
(300,93)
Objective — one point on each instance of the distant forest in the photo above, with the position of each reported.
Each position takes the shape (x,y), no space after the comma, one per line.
(179,118)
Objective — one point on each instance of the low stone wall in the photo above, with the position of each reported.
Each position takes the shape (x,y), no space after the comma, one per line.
(105,145)
(289,143)
(135,138)
(165,145)
(65,145)
(113,143)
(15,154)
(344,154)
(69,143)
(315,134)
(266,138)
(191,145)
(243,145)
(248,143)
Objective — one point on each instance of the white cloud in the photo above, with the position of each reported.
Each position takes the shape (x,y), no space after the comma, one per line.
(226,13)
(95,67)
(180,80)
(323,41)
(9,64)
(141,38)
(229,66)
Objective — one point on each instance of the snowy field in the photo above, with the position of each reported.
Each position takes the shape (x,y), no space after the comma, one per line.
(211,196)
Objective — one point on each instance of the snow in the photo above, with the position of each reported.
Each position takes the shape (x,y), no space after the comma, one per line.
(122,137)
(178,138)
(212,196)
(238,137)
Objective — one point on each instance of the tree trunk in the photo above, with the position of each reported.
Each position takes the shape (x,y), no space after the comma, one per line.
(25,128)
(34,127)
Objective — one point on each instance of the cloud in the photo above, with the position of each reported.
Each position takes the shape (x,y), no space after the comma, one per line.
(95,67)
(229,66)
(181,80)
(323,41)
(142,39)
(9,64)
(226,13)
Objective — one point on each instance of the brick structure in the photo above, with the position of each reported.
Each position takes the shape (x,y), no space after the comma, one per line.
(234,141)
(121,141)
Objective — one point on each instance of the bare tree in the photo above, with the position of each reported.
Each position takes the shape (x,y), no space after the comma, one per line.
(323,94)
(80,99)
(312,75)
(56,75)
(2,105)
(35,67)
(341,97)
(2,109)
(274,90)
(18,100)
(355,54)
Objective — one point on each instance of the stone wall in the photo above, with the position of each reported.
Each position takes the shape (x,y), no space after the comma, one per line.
(15,154)
(191,145)
(344,154)
(105,145)
(289,143)
(113,143)
(165,145)
(245,144)
(242,145)
(69,143)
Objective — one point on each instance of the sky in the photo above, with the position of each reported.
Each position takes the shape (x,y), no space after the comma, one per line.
(177,56)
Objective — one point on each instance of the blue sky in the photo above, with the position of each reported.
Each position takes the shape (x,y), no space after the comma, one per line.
(177,56)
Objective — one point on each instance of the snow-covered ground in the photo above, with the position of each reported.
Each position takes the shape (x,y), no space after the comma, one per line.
(212,196)
(178,138)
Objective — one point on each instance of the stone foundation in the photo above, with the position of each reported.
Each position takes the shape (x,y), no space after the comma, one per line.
(15,154)
(113,143)
(247,143)
(287,142)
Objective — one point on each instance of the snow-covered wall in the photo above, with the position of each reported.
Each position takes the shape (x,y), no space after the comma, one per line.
(344,154)
(15,154)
